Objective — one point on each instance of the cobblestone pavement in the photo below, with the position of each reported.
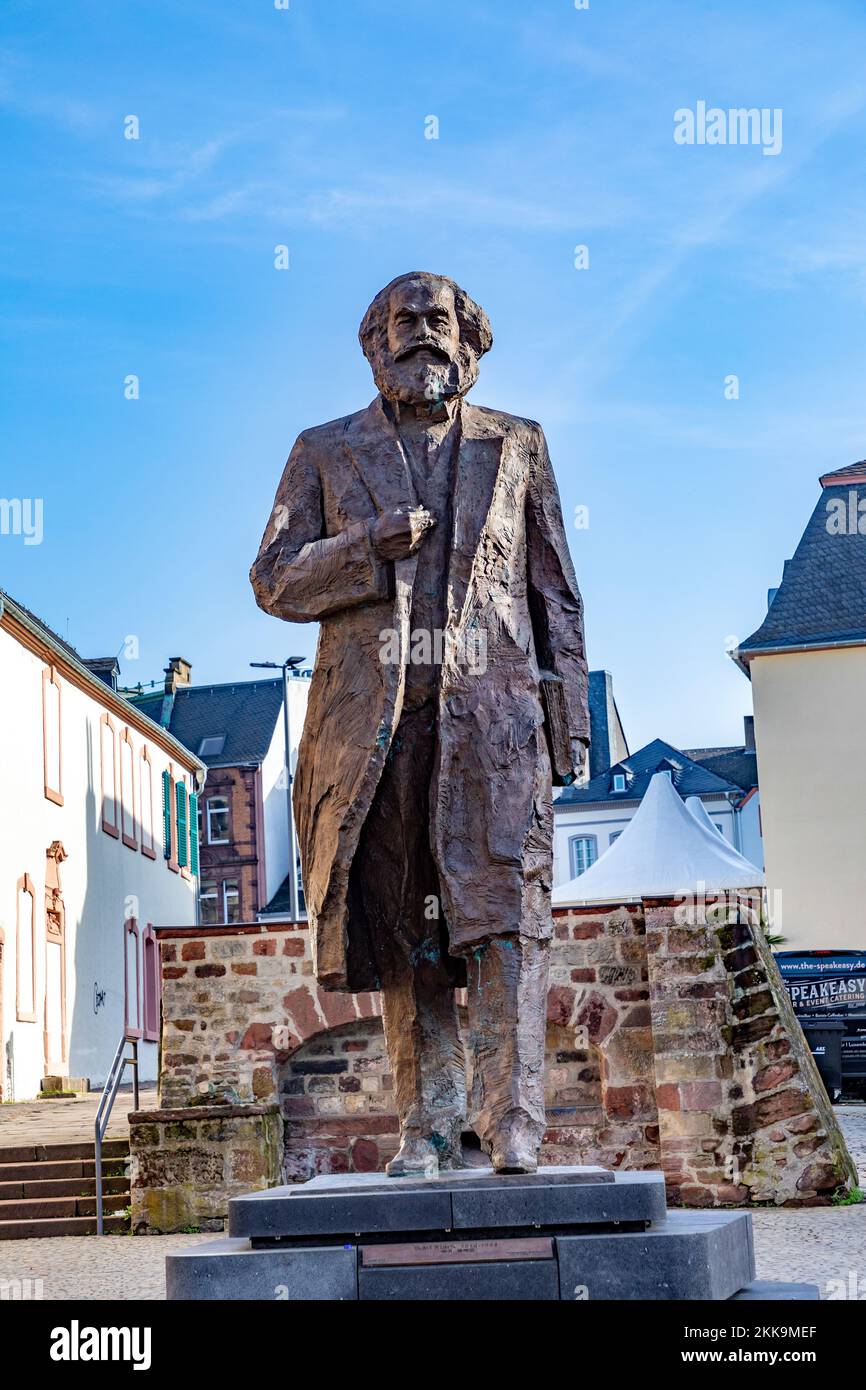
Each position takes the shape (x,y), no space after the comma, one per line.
(813,1245)
(65,1121)
(817,1245)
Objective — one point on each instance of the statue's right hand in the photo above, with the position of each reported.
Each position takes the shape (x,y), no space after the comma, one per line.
(398,534)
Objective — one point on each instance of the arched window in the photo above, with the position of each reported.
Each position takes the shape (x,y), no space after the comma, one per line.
(583,851)
(150,974)
(145,803)
(108,762)
(51,736)
(131,979)
(127,790)
(25,951)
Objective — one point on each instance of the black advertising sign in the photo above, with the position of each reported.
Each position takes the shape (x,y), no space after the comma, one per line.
(830,984)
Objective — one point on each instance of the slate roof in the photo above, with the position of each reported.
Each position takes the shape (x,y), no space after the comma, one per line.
(689,777)
(44,628)
(102,689)
(822,598)
(245,711)
(737,765)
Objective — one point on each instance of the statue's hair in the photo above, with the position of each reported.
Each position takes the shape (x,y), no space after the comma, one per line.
(475,330)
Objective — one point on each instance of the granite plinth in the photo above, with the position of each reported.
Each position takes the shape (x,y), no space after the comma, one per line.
(232,1270)
(768,1291)
(706,1255)
(559,1234)
(370,1206)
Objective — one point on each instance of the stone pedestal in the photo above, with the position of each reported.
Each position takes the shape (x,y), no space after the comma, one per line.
(187,1164)
(561,1233)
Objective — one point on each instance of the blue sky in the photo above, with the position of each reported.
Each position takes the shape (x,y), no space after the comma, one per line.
(305,127)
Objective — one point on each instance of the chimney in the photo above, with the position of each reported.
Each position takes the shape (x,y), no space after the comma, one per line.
(177,673)
(749,730)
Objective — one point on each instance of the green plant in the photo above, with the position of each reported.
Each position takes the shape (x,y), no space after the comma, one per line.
(851,1198)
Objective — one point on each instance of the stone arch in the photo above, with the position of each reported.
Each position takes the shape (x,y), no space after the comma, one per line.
(336,1097)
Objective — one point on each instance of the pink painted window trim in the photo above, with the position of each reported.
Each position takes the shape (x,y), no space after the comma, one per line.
(130,928)
(152,984)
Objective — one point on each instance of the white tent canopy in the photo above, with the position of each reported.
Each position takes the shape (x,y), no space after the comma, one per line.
(664,852)
(699,811)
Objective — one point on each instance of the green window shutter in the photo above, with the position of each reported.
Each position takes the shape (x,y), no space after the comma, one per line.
(182,831)
(166,814)
(193,832)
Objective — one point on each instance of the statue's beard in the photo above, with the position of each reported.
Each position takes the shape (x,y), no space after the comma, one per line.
(423,379)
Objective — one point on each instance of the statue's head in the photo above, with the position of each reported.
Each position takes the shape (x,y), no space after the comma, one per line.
(423,336)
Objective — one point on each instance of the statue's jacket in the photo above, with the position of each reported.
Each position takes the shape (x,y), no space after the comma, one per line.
(514,612)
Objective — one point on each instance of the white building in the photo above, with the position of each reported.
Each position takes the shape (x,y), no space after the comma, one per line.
(590,817)
(97,806)
(668,850)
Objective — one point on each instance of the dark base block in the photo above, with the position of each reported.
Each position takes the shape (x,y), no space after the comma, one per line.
(230,1269)
(768,1291)
(703,1255)
(560,1234)
(523,1280)
(470,1199)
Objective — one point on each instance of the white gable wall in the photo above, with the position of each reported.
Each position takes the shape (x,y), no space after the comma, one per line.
(103,881)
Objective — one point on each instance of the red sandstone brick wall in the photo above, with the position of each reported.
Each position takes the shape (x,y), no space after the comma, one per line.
(667,1046)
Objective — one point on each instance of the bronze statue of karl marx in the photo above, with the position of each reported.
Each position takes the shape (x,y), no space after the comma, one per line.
(425,535)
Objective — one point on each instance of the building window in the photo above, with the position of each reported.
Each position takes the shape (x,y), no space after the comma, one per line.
(181,817)
(131,979)
(150,973)
(231,901)
(108,761)
(209,903)
(169,819)
(583,851)
(145,803)
(615,836)
(51,736)
(218,820)
(220,902)
(25,951)
(618,782)
(127,790)
(212,746)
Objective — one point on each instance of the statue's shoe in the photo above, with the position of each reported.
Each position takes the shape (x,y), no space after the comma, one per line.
(514,1148)
(414,1158)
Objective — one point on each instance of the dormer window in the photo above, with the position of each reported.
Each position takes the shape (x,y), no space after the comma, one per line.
(212,746)
(618,784)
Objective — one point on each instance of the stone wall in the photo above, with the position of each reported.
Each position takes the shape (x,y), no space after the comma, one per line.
(744,1116)
(187,1163)
(667,1046)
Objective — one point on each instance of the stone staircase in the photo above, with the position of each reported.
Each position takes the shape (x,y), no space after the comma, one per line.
(50,1189)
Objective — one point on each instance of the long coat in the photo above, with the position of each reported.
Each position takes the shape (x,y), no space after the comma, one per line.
(511,585)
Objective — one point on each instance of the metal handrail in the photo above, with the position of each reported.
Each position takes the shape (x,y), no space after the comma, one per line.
(103,1113)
